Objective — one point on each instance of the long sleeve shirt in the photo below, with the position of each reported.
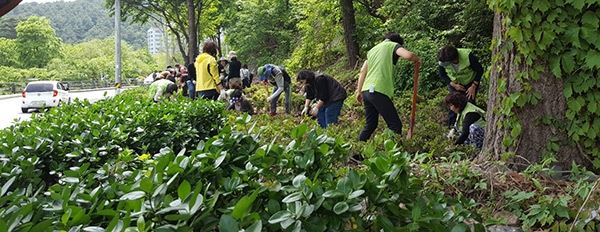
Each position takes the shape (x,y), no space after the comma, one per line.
(475,66)
(470,118)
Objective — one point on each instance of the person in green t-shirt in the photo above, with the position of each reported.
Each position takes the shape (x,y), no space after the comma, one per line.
(375,86)
(461,71)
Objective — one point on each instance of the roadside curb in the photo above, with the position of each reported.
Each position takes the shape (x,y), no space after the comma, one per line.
(2,97)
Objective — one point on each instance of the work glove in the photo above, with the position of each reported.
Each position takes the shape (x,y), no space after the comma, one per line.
(451,134)
(269,99)
(314,111)
(305,111)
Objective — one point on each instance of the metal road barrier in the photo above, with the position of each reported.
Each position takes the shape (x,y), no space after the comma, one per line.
(17,88)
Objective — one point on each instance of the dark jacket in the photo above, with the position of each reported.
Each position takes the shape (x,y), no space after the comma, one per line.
(326,89)
(234,68)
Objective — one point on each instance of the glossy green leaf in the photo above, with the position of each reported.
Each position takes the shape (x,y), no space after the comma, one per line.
(280,216)
(133,196)
(340,207)
(242,207)
(228,224)
(184,189)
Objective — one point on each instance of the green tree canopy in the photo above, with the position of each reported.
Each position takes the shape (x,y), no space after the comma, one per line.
(37,42)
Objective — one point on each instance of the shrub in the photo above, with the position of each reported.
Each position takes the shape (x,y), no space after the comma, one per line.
(82,132)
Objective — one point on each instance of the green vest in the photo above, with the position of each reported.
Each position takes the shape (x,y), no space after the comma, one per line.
(380,75)
(464,75)
(470,108)
(158,85)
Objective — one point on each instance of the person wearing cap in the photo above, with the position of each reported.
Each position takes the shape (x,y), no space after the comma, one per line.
(461,71)
(208,84)
(328,92)
(375,86)
(162,88)
(281,81)
(235,66)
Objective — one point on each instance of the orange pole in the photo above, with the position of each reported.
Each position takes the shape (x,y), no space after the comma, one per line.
(413,111)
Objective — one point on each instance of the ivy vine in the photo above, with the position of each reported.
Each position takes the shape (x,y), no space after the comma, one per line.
(566,35)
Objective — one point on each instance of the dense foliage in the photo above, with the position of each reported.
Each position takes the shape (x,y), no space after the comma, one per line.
(74,21)
(564,36)
(130,164)
(92,60)
(318,42)
(36,42)
(115,167)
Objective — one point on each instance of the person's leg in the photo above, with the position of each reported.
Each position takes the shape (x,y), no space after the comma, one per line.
(274,102)
(386,108)
(322,117)
(288,98)
(476,136)
(191,89)
(332,112)
(371,118)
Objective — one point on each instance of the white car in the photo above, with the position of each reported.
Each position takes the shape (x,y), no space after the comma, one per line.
(44,94)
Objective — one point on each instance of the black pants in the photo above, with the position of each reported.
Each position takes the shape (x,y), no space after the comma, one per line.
(211,94)
(379,104)
(451,114)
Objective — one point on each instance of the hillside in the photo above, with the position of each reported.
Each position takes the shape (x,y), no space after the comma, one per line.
(74,22)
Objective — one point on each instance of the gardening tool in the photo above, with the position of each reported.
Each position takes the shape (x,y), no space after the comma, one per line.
(413,111)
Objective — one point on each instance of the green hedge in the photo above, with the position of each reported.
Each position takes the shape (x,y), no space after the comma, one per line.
(129,164)
(82,132)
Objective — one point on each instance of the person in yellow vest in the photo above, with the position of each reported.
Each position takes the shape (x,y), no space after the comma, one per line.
(470,121)
(162,88)
(208,83)
(375,87)
(460,69)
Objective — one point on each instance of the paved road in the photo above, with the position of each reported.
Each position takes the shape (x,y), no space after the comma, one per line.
(11,107)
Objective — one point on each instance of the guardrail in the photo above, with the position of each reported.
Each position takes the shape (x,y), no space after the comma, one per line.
(15,88)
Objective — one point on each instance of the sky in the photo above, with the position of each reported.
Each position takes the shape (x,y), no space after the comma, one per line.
(43,1)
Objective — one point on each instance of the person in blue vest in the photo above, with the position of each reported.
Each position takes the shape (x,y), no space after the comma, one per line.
(470,121)
(460,69)
(280,79)
(328,92)
(375,87)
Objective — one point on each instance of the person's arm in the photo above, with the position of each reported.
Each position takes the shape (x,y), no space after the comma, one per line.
(280,84)
(476,67)
(158,95)
(408,55)
(315,110)
(322,92)
(213,71)
(444,75)
(361,81)
(470,118)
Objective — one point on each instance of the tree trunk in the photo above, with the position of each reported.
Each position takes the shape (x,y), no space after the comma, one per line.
(219,50)
(192,32)
(349,23)
(531,145)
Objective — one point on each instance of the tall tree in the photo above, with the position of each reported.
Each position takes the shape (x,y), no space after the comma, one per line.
(173,13)
(37,42)
(8,52)
(544,84)
(349,22)
(192,30)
